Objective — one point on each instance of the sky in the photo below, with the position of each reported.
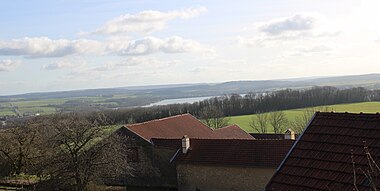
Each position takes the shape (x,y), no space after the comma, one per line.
(85,44)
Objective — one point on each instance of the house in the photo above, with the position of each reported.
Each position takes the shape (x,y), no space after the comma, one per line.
(337,151)
(227,164)
(230,132)
(288,134)
(153,143)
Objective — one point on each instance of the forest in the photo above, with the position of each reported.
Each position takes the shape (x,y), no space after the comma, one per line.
(251,103)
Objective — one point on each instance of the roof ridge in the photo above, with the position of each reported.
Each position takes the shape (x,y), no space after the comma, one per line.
(165,138)
(228,126)
(348,113)
(242,139)
(161,119)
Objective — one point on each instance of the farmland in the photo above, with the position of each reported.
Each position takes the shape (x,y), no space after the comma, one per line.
(21,106)
(123,97)
(366,107)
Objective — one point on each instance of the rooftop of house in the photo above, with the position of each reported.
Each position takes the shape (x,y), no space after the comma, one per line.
(166,143)
(323,156)
(266,136)
(176,126)
(171,127)
(235,152)
(228,132)
(231,131)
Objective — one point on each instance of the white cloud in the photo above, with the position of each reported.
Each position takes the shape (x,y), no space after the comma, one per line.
(151,45)
(8,65)
(309,50)
(111,69)
(45,47)
(141,62)
(147,62)
(297,22)
(301,26)
(314,49)
(146,22)
(62,64)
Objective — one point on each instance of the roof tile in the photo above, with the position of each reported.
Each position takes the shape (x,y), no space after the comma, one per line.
(260,153)
(176,127)
(321,159)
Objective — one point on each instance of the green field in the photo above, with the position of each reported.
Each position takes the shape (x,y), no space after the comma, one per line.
(367,107)
(48,106)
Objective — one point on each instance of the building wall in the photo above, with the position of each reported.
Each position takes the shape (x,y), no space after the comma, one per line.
(220,178)
(152,171)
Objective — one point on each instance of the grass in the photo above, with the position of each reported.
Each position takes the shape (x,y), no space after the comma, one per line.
(366,107)
(39,103)
(6,111)
(48,106)
(40,110)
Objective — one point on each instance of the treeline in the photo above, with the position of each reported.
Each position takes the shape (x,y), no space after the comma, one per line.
(251,103)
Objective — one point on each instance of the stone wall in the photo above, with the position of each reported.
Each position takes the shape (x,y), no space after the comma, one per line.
(152,169)
(220,178)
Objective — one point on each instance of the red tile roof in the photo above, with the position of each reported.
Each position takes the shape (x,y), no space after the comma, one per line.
(176,127)
(167,143)
(234,152)
(171,127)
(228,132)
(267,136)
(231,131)
(321,158)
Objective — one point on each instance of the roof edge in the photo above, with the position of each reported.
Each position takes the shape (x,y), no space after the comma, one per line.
(126,127)
(160,119)
(290,151)
(174,156)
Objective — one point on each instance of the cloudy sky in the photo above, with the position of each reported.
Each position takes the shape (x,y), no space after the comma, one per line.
(78,44)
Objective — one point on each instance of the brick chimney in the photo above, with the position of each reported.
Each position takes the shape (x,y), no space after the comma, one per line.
(290,135)
(185,144)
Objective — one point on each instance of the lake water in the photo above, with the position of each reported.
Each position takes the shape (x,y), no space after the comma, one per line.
(182,100)
(179,100)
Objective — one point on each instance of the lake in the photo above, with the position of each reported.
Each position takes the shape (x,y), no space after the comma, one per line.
(179,100)
(182,100)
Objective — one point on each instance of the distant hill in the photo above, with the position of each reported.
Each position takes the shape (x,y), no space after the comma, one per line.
(208,89)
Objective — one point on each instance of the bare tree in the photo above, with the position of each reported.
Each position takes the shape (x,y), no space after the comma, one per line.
(83,152)
(18,146)
(214,118)
(371,173)
(259,122)
(278,121)
(301,121)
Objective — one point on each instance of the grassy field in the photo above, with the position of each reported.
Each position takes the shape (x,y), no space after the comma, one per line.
(367,107)
(48,106)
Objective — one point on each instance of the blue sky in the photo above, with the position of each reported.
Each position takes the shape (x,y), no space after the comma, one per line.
(66,45)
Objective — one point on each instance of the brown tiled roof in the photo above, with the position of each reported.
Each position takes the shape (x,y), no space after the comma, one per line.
(177,126)
(268,136)
(171,127)
(234,152)
(321,158)
(228,132)
(231,131)
(167,143)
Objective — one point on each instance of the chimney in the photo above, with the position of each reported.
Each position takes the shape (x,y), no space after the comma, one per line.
(185,144)
(290,135)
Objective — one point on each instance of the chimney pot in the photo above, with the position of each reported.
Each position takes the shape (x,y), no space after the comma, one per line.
(290,135)
(185,144)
